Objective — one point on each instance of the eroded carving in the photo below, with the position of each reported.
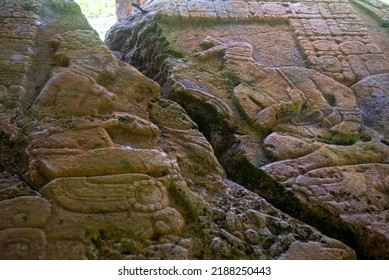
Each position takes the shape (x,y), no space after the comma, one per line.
(22,244)
(24,212)
(108,194)
(287,121)
(125,174)
(265,102)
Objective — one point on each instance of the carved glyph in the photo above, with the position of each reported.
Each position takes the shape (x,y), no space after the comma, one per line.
(22,244)
(333,21)
(107,194)
(90,157)
(92,152)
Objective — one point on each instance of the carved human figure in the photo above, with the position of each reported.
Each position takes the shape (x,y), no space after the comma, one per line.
(317,116)
(288,95)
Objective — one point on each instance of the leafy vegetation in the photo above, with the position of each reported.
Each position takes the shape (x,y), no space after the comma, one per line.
(97,9)
(100,14)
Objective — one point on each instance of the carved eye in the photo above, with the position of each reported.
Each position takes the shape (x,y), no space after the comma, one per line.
(149,194)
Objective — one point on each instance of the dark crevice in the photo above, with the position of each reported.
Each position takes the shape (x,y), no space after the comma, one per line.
(385,142)
(241,171)
(244,173)
(12,154)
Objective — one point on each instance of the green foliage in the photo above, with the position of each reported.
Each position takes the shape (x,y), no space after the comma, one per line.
(97,9)
(100,14)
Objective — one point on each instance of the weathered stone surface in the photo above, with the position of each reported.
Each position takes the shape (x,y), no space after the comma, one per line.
(22,244)
(291,95)
(27,211)
(96,165)
(11,186)
(310,251)
(287,99)
(373,96)
(334,21)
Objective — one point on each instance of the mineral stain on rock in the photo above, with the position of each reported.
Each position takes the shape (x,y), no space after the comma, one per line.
(256,100)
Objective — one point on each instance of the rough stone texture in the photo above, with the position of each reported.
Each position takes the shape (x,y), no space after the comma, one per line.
(96,165)
(292,96)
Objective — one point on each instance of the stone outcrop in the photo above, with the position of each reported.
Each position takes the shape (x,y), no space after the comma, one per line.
(96,165)
(292,96)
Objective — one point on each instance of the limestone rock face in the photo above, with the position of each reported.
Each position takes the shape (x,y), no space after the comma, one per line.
(292,96)
(96,165)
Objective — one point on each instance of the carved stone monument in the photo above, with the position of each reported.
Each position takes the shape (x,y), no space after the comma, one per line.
(282,100)
(291,90)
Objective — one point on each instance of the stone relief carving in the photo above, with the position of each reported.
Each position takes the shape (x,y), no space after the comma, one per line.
(309,120)
(313,23)
(102,167)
